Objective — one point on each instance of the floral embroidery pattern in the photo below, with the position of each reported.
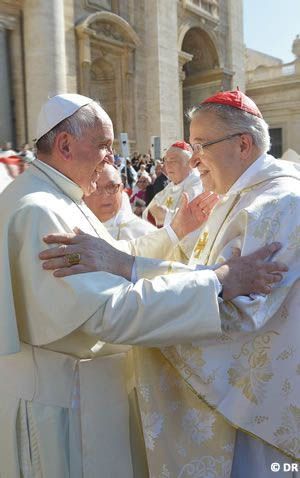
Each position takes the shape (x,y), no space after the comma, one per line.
(207,467)
(269,226)
(293,204)
(287,436)
(253,375)
(289,352)
(198,424)
(168,379)
(152,425)
(257,420)
(164,472)
(181,450)
(284,314)
(192,357)
(294,239)
(144,390)
(286,388)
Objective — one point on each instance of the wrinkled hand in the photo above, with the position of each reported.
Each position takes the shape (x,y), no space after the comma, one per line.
(250,274)
(191,215)
(159,213)
(95,255)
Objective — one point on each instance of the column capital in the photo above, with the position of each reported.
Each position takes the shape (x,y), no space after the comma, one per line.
(183,58)
(7,22)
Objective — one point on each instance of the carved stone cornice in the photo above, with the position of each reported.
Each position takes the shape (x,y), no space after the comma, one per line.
(208,10)
(110,27)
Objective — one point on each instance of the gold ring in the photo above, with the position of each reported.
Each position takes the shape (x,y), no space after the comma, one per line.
(73,258)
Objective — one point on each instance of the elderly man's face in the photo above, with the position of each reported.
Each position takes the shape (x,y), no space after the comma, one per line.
(106,201)
(177,167)
(91,152)
(220,164)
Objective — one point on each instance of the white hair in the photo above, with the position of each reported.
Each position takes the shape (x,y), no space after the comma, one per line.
(112,168)
(238,121)
(145,175)
(183,152)
(86,117)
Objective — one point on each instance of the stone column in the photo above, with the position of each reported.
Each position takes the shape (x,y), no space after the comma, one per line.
(71,47)
(236,45)
(7,23)
(17,73)
(163,97)
(183,58)
(45,58)
(84,60)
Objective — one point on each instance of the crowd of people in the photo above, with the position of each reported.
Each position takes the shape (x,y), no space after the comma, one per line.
(142,177)
(13,162)
(159,345)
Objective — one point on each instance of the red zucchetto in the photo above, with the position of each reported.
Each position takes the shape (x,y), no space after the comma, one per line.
(236,99)
(182,145)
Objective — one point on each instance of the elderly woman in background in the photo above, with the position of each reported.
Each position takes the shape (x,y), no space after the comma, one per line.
(138,200)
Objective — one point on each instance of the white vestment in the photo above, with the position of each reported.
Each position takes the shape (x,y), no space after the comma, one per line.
(169,199)
(64,394)
(250,373)
(126,225)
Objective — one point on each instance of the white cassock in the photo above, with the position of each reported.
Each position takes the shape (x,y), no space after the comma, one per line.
(64,394)
(126,225)
(169,198)
(249,376)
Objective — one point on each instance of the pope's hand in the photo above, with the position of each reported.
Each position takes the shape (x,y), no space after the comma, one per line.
(95,255)
(191,215)
(250,274)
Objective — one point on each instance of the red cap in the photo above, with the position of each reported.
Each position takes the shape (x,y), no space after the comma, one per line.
(182,145)
(236,99)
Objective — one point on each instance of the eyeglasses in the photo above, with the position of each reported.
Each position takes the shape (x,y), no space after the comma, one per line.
(111,188)
(198,147)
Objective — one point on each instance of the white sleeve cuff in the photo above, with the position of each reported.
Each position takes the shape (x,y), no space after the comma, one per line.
(172,235)
(218,284)
(168,217)
(134,273)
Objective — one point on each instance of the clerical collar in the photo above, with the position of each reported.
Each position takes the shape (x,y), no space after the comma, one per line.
(247,175)
(70,188)
(125,213)
(177,187)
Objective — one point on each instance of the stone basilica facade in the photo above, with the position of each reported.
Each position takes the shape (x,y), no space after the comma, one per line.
(146,61)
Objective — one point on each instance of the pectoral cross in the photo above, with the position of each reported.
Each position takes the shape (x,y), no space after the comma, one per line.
(200,245)
(169,201)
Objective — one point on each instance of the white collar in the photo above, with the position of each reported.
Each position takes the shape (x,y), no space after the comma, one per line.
(70,188)
(179,186)
(247,175)
(124,214)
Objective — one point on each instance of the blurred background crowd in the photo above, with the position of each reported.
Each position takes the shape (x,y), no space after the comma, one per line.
(142,177)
